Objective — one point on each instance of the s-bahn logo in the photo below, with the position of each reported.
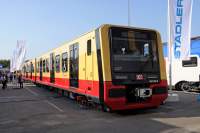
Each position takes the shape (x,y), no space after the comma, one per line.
(139,77)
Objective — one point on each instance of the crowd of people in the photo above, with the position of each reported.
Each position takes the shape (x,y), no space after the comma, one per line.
(6,77)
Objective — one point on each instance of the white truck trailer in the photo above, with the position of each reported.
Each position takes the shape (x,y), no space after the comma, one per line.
(185,73)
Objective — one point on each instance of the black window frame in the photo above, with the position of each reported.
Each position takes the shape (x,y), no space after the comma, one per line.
(65,62)
(44,65)
(47,65)
(192,62)
(89,47)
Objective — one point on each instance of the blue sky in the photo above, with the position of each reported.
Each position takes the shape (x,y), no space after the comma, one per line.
(45,24)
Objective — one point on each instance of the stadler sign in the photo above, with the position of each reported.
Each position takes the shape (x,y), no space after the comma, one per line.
(180,27)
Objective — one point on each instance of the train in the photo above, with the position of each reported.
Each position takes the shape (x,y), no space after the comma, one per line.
(117,67)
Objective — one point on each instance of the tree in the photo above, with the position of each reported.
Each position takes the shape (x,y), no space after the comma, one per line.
(5,63)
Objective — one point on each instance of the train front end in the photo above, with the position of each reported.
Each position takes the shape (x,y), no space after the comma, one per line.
(134,74)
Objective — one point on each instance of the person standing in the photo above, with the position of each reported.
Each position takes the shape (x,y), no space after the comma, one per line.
(20,80)
(4,81)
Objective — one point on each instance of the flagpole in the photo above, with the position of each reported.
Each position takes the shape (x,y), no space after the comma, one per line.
(129,13)
(169,48)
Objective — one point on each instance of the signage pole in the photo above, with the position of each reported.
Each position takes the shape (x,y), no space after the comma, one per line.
(128,12)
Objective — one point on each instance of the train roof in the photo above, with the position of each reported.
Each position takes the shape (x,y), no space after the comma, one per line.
(65,42)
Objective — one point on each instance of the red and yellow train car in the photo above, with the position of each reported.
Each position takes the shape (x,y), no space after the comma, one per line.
(118,67)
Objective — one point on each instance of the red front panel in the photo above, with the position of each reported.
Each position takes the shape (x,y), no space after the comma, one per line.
(121,103)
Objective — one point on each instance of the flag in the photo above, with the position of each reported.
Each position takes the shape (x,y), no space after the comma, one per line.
(179,28)
(18,57)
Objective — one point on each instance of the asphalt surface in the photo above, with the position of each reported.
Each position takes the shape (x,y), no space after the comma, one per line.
(38,110)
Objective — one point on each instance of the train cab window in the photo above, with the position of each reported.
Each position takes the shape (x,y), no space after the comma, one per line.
(192,62)
(89,47)
(43,65)
(57,63)
(47,65)
(64,62)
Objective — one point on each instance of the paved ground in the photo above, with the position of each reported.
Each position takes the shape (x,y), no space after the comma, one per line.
(37,110)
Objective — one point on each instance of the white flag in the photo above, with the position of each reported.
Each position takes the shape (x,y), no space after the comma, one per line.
(179,16)
(18,57)
(21,53)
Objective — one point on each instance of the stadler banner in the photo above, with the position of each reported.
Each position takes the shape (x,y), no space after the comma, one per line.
(179,16)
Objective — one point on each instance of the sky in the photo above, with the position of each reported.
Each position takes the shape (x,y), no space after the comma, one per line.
(46,24)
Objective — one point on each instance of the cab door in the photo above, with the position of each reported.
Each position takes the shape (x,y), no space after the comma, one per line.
(89,67)
(74,65)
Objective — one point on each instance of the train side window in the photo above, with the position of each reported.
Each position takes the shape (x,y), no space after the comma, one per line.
(43,65)
(32,68)
(29,68)
(57,63)
(190,63)
(64,62)
(89,47)
(38,66)
(47,65)
(24,69)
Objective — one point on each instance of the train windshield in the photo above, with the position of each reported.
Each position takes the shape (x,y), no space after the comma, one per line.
(133,50)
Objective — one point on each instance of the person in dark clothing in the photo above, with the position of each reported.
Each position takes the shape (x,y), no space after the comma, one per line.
(4,81)
(20,81)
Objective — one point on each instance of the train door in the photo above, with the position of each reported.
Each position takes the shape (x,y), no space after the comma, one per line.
(41,69)
(31,70)
(26,71)
(35,70)
(52,68)
(89,66)
(74,65)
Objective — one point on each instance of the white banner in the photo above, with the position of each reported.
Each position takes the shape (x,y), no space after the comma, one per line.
(19,55)
(179,24)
